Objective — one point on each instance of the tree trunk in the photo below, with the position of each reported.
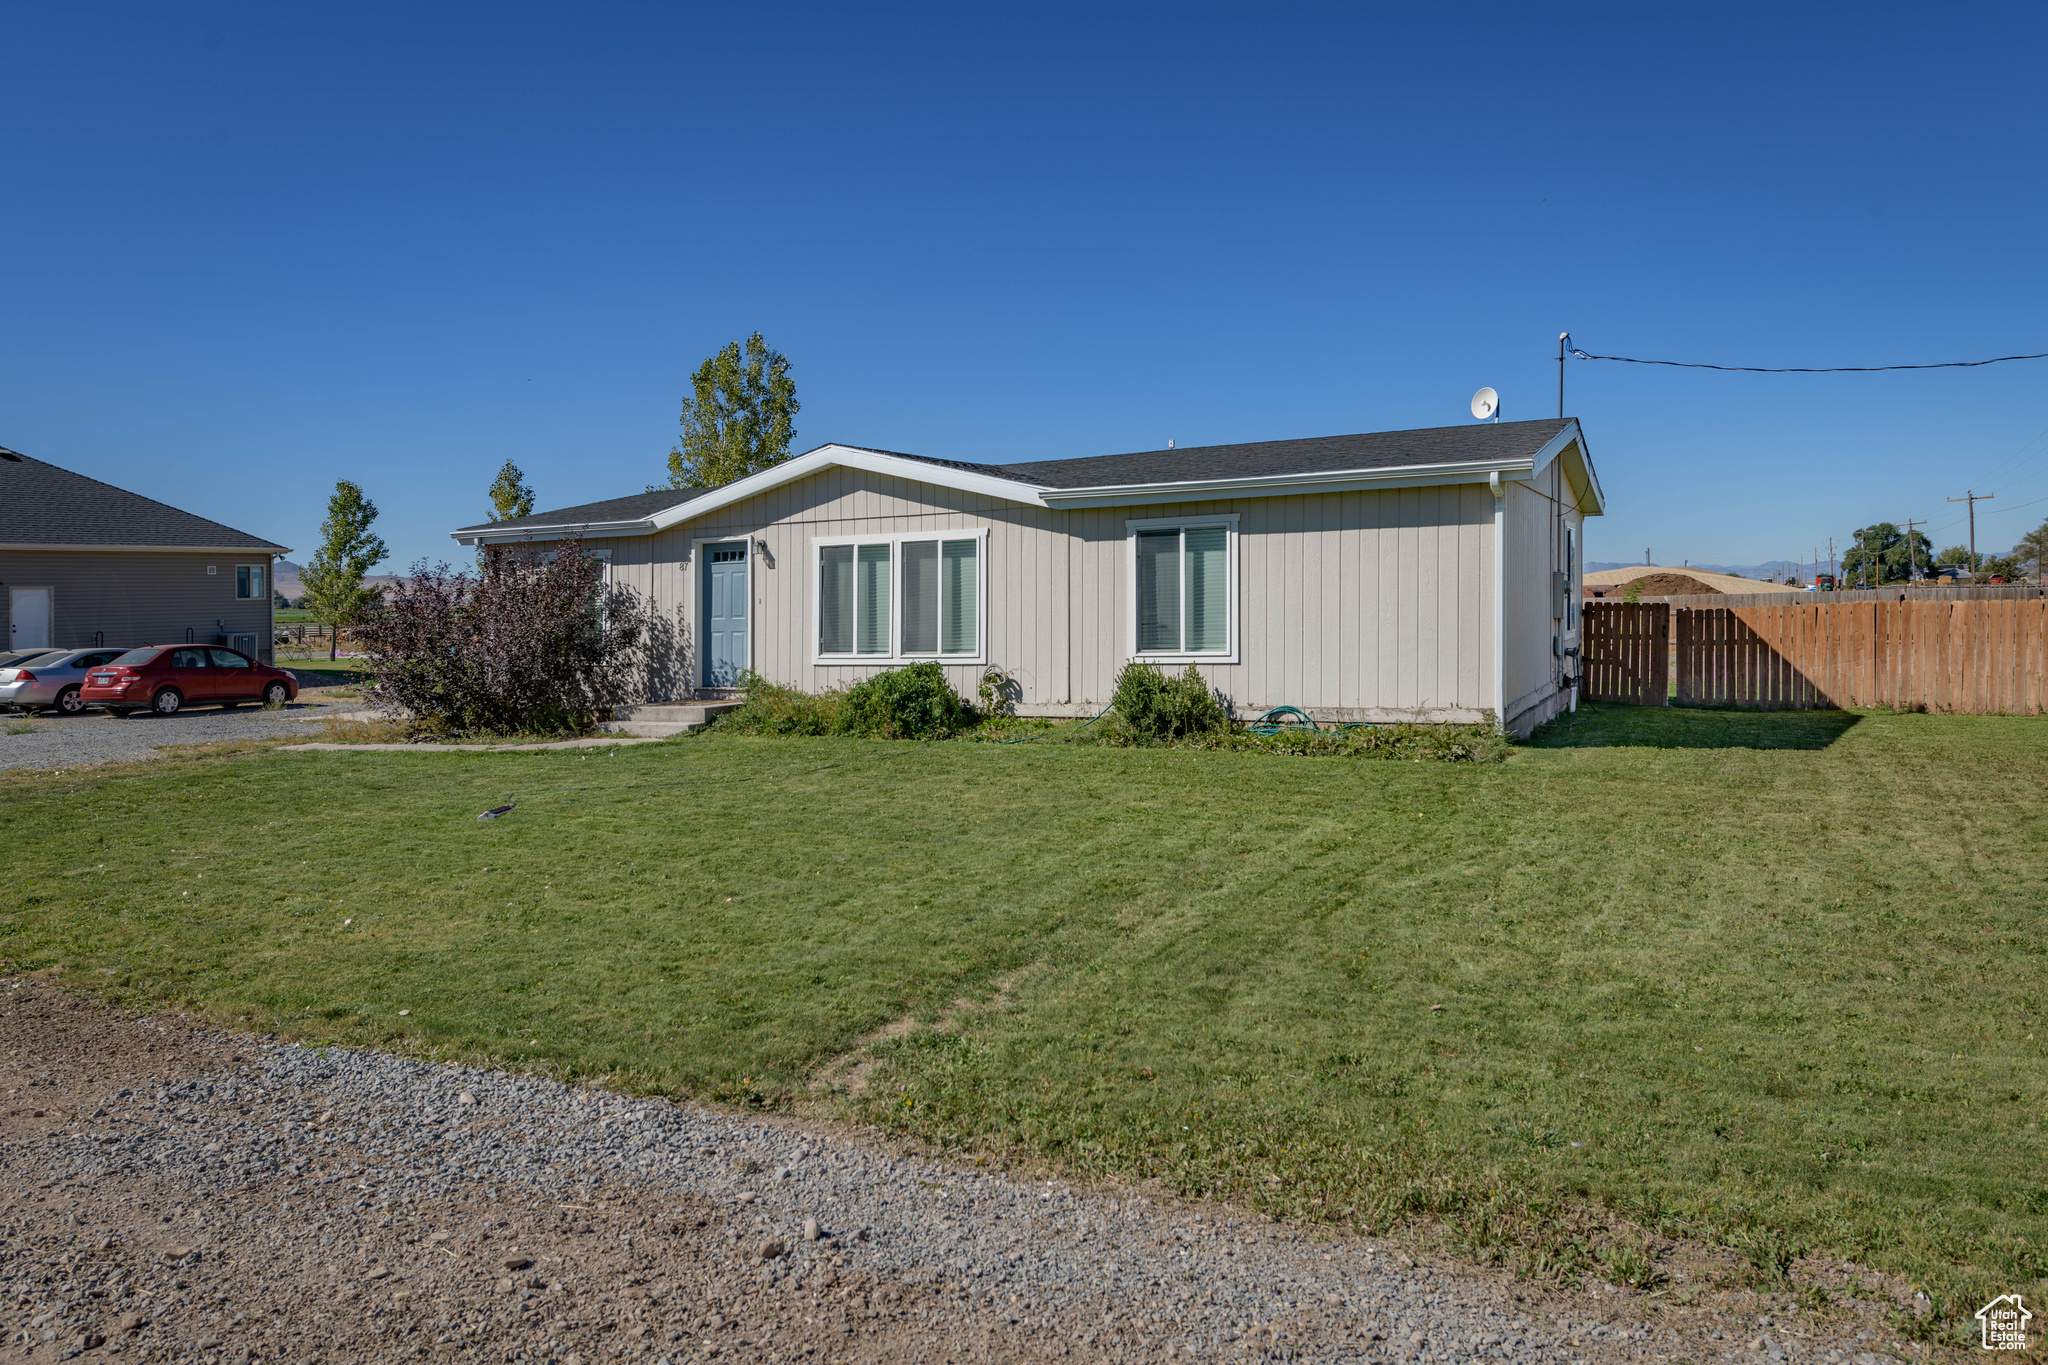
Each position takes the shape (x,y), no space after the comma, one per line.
(333,644)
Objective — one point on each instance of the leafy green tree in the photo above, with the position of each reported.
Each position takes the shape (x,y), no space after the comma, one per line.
(2032,551)
(2011,567)
(1882,554)
(737,418)
(335,592)
(510,497)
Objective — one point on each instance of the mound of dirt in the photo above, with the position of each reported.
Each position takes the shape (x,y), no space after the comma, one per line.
(1659,585)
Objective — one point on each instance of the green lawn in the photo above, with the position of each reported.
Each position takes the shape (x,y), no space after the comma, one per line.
(319,671)
(1771,979)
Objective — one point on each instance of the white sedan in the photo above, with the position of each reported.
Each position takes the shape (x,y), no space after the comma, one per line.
(50,682)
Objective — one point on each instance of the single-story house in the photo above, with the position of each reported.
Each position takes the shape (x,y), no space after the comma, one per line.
(1382,576)
(83,563)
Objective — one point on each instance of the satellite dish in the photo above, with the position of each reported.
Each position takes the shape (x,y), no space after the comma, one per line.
(1485,404)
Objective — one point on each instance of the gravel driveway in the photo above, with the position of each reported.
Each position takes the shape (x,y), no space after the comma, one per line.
(176,1194)
(58,742)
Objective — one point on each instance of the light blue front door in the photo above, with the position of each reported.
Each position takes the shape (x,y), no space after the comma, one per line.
(725,614)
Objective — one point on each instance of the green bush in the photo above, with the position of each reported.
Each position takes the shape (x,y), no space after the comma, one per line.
(771,709)
(1155,707)
(905,703)
(901,703)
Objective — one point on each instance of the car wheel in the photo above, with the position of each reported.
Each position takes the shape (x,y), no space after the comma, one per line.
(69,702)
(167,702)
(277,694)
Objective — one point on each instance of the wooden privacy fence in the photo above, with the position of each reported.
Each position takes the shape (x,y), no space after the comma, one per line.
(1978,656)
(1625,651)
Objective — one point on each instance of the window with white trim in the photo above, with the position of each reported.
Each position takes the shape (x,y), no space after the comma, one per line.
(900,597)
(1183,578)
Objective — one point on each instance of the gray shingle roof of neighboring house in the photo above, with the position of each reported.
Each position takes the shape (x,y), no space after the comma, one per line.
(1470,443)
(632,507)
(41,504)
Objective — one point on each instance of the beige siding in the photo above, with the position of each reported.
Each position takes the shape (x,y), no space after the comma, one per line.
(1538,512)
(1369,605)
(131,598)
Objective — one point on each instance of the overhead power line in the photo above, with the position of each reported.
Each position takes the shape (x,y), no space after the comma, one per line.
(1811,369)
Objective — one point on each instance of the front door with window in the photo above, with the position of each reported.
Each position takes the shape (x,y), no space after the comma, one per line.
(725,614)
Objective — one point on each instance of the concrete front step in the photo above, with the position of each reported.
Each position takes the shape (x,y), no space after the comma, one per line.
(649,729)
(659,720)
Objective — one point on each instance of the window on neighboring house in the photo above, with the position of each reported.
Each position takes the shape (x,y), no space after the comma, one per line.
(249,581)
(1183,597)
(900,597)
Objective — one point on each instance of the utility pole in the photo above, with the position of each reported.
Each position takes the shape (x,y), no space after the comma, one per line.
(1831,559)
(1562,339)
(1973,499)
(1646,557)
(1912,558)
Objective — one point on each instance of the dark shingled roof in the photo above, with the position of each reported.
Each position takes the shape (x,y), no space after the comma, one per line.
(41,504)
(1475,441)
(632,507)
(1309,455)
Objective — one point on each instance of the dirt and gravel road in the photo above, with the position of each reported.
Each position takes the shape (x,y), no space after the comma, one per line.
(169,1192)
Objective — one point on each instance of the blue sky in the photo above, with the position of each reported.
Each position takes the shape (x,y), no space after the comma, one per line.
(249,250)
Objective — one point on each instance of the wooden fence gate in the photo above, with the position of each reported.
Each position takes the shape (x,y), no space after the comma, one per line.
(1624,652)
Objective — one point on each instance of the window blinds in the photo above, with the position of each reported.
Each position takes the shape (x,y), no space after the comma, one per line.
(1208,590)
(920,597)
(871,634)
(835,599)
(957,586)
(1158,589)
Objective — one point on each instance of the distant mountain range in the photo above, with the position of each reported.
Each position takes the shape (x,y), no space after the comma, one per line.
(284,576)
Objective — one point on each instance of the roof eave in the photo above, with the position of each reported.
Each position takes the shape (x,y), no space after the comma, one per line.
(1288,485)
(266,549)
(1556,446)
(589,530)
(848,457)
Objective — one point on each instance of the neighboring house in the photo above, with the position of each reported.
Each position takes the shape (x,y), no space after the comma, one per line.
(83,563)
(1378,577)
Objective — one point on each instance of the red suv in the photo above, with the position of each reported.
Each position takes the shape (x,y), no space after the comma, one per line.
(168,678)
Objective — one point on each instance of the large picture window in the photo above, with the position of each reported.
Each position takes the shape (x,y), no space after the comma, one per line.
(900,597)
(1183,589)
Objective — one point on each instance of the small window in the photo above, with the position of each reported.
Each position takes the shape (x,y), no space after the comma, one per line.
(900,597)
(188,658)
(249,580)
(1181,593)
(227,658)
